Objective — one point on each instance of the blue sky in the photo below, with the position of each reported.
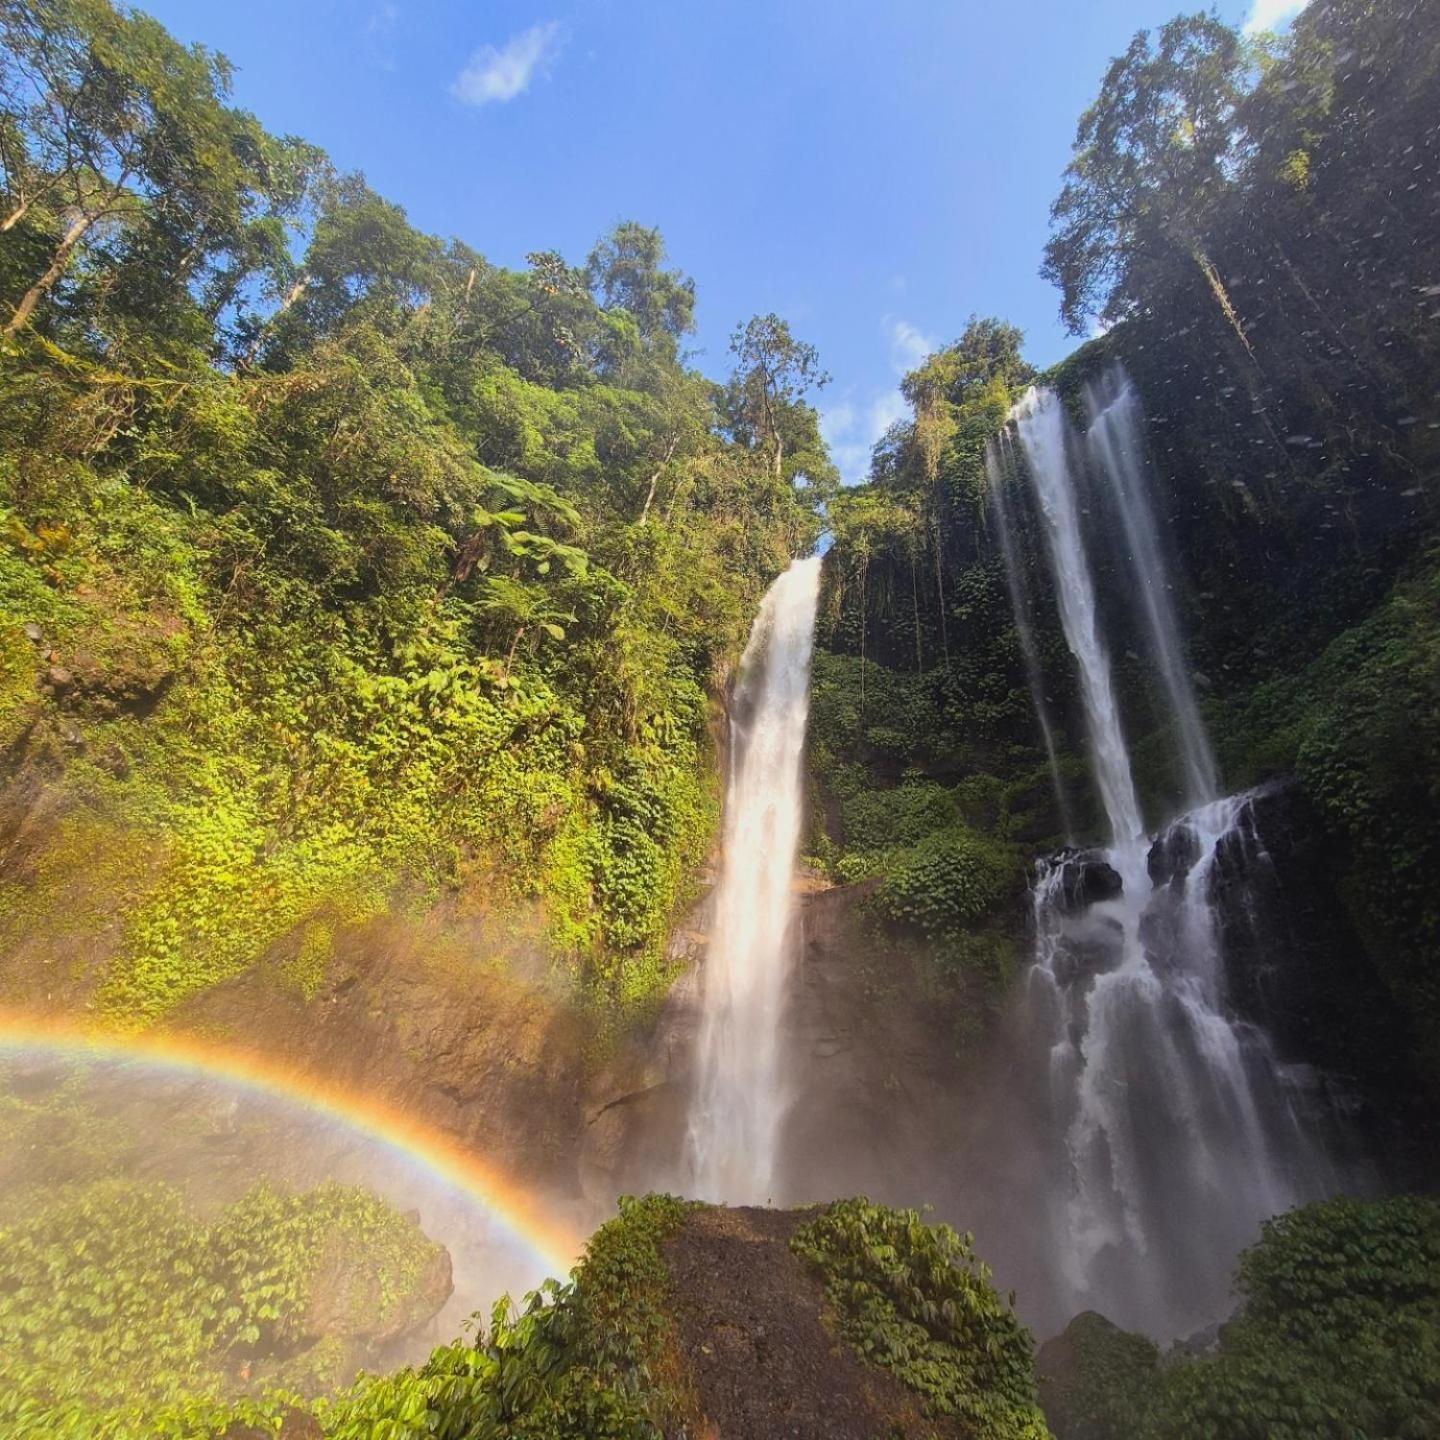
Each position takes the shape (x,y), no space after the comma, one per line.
(875,172)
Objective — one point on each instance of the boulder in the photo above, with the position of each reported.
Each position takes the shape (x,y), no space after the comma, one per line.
(1086,879)
(1173,855)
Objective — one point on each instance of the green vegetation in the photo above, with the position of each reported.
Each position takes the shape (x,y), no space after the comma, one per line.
(340,569)
(1243,212)
(589,1360)
(117,1305)
(1337,1336)
(1356,726)
(913,1298)
(1094,1379)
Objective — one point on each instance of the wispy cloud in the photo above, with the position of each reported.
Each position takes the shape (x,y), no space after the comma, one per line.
(908,345)
(1270,14)
(378,31)
(852,429)
(852,426)
(496,74)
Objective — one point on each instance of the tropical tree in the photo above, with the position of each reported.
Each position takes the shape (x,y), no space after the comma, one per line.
(625,272)
(1152,158)
(773,374)
(117,140)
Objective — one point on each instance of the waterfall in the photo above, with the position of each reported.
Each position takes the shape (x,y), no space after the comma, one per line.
(996,474)
(1176,1127)
(737,1107)
(1116,447)
(1044,436)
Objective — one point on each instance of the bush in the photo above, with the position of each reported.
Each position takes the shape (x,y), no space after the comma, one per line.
(1337,1337)
(913,1299)
(949,882)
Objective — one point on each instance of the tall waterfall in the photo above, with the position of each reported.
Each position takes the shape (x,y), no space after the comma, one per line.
(738,1103)
(1117,450)
(1177,1128)
(1045,439)
(997,474)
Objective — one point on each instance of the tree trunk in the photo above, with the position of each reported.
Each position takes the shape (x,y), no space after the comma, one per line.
(655,477)
(864,575)
(1222,298)
(289,298)
(940,589)
(15,216)
(915,608)
(58,265)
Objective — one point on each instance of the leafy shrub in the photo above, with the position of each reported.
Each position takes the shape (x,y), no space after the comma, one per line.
(1337,1336)
(1095,1379)
(119,1307)
(951,881)
(913,1299)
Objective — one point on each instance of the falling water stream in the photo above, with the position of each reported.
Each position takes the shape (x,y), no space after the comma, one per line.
(1176,1127)
(1115,444)
(997,470)
(738,1101)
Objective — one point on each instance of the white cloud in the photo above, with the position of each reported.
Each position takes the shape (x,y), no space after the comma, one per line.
(908,345)
(377,33)
(851,431)
(495,75)
(852,425)
(1270,14)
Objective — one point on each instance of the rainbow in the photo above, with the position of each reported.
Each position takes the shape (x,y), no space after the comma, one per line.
(554,1242)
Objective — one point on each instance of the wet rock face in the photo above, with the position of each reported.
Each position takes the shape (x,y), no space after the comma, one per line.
(1087,950)
(1173,855)
(1087,879)
(1295,964)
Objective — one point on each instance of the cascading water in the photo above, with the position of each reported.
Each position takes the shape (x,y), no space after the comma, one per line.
(1178,1128)
(1116,447)
(1045,438)
(738,1104)
(996,473)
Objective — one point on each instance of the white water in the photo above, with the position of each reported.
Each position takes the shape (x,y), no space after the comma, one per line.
(996,474)
(1044,436)
(1177,1129)
(738,1104)
(1117,451)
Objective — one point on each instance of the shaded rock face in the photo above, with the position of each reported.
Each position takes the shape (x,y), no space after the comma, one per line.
(1173,855)
(1086,878)
(413,1014)
(1295,965)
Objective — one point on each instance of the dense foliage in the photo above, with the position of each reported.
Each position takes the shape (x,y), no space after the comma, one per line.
(1253,216)
(1337,1336)
(118,1305)
(913,1298)
(589,1360)
(337,564)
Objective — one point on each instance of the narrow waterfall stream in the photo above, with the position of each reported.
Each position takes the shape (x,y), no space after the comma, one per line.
(1045,438)
(1116,446)
(739,1093)
(997,468)
(1176,1127)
